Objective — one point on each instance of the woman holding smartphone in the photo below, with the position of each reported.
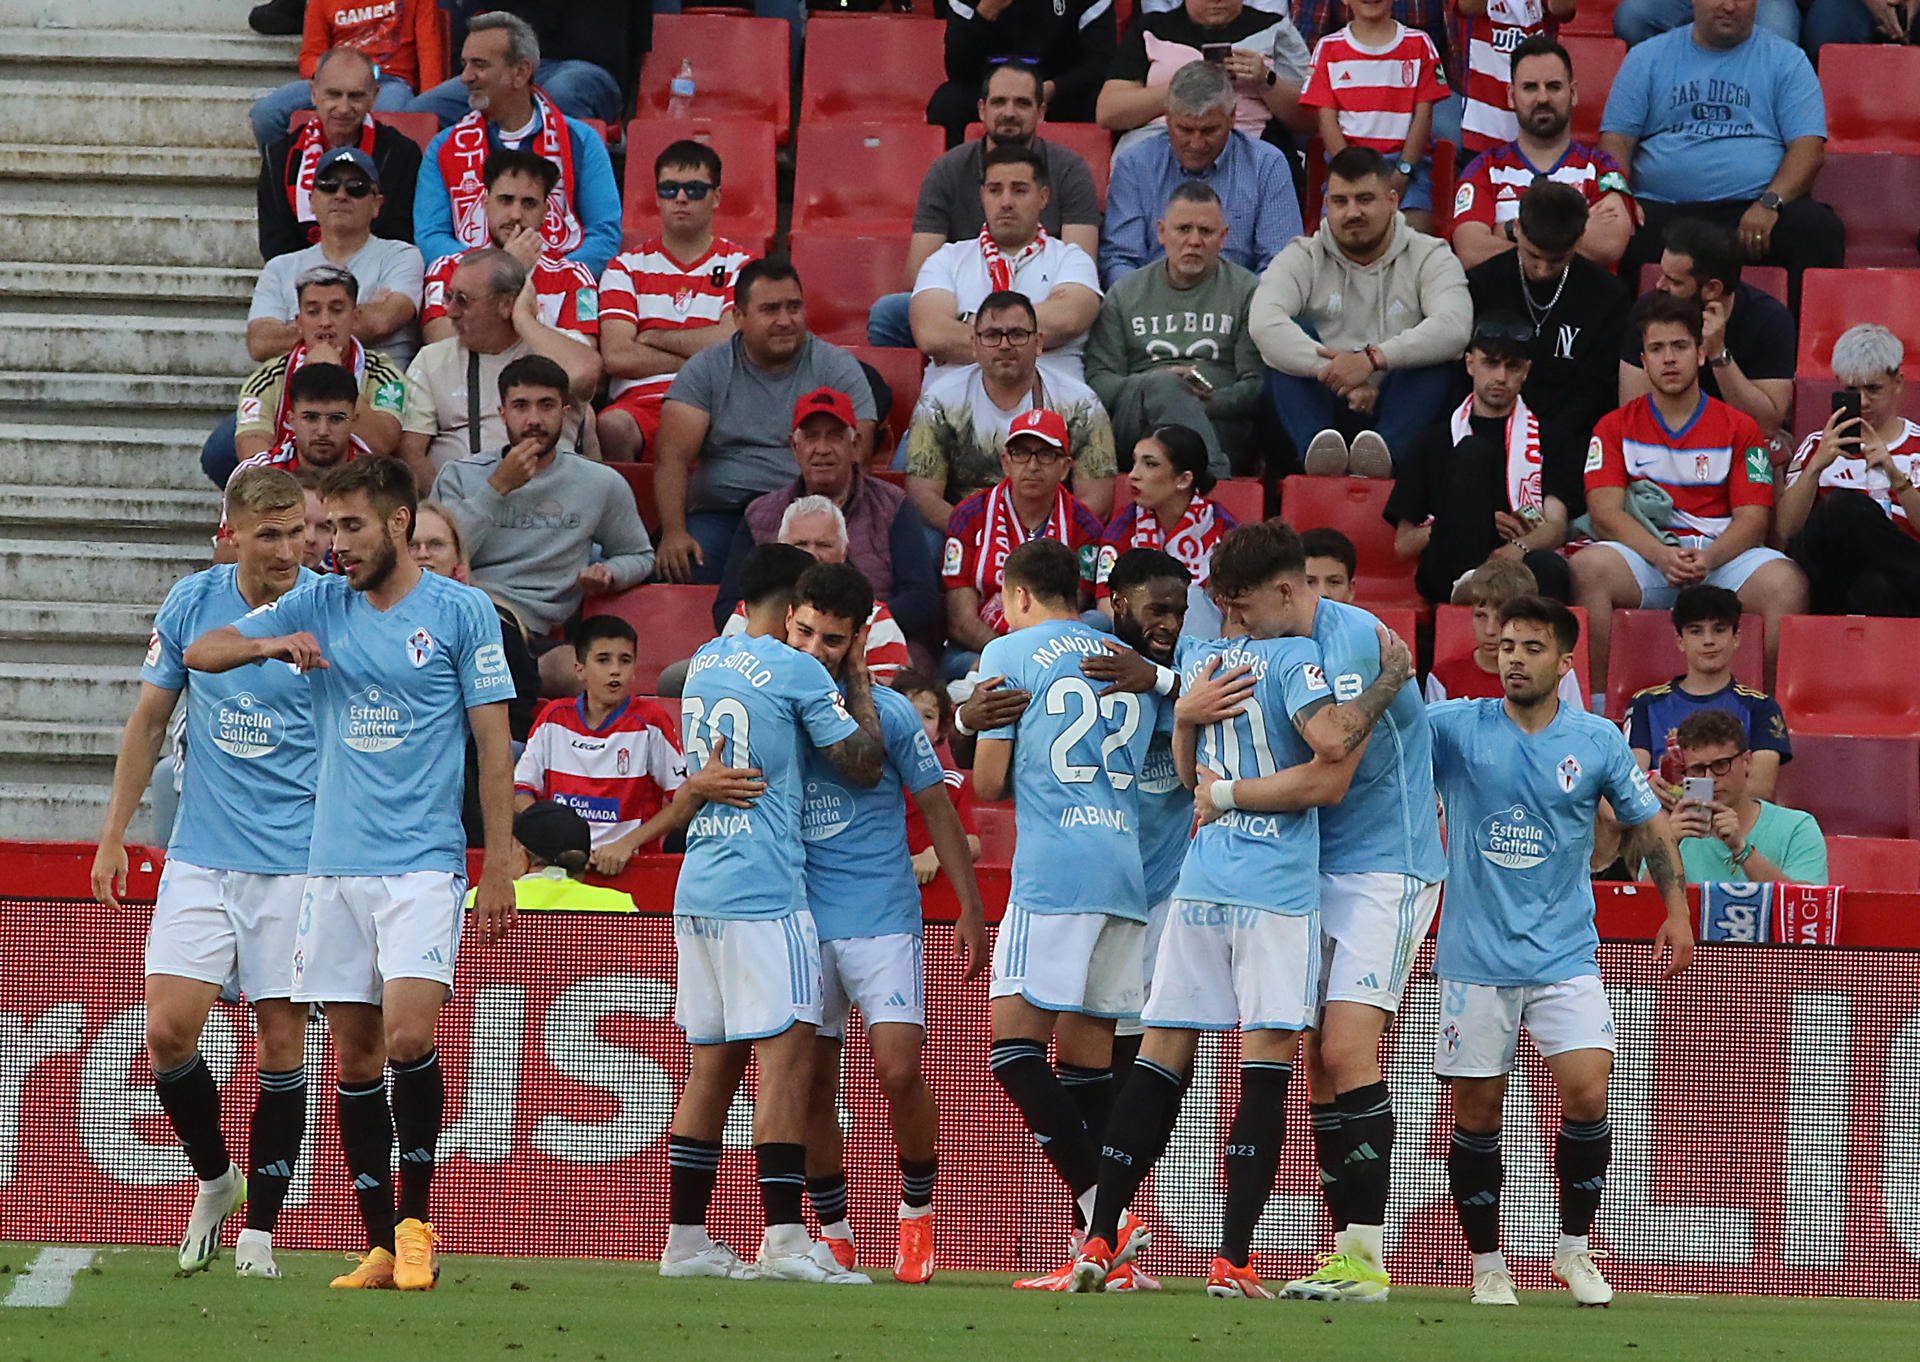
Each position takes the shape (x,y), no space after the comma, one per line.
(1256,43)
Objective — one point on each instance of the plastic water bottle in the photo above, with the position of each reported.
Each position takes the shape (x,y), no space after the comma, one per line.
(680,91)
(1673,766)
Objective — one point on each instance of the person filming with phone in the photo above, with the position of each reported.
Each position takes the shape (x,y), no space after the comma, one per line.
(1847,514)
(1724,832)
(1170,344)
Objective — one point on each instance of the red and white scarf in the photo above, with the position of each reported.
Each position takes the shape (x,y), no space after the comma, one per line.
(1000,270)
(1523,453)
(1191,541)
(1001,534)
(355,359)
(309,145)
(464,152)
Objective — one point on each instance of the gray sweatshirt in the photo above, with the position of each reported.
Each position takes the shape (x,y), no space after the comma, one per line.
(1412,302)
(525,549)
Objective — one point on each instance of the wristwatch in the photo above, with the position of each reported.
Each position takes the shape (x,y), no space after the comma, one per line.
(1405,168)
(1273,77)
(1769,201)
(1721,360)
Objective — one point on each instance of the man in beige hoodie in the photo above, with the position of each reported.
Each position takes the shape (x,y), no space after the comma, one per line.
(1360,325)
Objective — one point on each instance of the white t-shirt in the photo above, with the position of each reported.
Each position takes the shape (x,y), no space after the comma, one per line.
(959,268)
(380,264)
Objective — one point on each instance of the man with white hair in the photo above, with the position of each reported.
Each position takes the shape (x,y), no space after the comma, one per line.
(497,65)
(1848,513)
(1252,178)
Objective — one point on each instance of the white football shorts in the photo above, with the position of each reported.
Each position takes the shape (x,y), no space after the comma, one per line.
(1371,927)
(883,976)
(1480,1024)
(744,978)
(1226,967)
(211,924)
(358,931)
(1156,924)
(1069,962)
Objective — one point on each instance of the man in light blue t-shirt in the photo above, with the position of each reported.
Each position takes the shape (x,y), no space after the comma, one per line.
(1723,121)
(402,666)
(1523,779)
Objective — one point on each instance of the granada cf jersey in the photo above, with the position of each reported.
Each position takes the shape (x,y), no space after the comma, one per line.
(1490,189)
(650,289)
(1716,461)
(616,776)
(1375,89)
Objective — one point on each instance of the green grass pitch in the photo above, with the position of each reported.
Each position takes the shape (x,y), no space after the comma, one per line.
(127,1304)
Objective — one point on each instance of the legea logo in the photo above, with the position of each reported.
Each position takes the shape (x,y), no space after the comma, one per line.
(376,720)
(244,727)
(1514,839)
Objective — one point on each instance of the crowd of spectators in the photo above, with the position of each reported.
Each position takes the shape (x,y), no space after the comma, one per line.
(1093,371)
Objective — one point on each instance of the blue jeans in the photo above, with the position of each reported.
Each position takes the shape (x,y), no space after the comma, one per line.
(713,532)
(218,457)
(1410,400)
(275,109)
(1635,21)
(581,89)
(887,323)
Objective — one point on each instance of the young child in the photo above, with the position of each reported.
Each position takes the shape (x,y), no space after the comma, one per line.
(1375,83)
(608,756)
(1706,621)
(1476,675)
(1331,559)
(929,697)
(1483,34)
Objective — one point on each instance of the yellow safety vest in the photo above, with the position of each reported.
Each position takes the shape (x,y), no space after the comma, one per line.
(553,890)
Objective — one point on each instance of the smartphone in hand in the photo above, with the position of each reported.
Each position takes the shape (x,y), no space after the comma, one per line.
(1847,402)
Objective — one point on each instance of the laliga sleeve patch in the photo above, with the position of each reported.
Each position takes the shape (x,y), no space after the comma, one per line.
(839,705)
(249,411)
(391,397)
(1463,200)
(950,561)
(1596,455)
(153,649)
(1759,467)
(1316,680)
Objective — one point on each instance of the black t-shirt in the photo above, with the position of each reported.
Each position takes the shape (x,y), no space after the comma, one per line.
(1575,379)
(1461,486)
(1761,337)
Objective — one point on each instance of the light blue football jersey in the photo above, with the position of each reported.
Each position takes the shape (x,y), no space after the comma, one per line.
(1077,760)
(390,714)
(1246,858)
(1520,811)
(1387,821)
(1166,808)
(859,874)
(246,795)
(771,703)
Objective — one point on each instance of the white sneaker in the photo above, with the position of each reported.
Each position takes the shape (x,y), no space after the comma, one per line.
(815,1265)
(252,1258)
(212,1204)
(1325,455)
(716,1260)
(1369,456)
(1582,1277)
(1494,1287)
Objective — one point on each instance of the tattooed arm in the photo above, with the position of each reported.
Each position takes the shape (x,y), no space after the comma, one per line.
(1335,732)
(1651,843)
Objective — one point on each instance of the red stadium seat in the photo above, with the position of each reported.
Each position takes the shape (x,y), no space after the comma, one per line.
(1813,403)
(862,68)
(420,128)
(1641,652)
(1242,498)
(1093,142)
(1595,19)
(842,275)
(1596,61)
(1353,506)
(1877,196)
(749,199)
(861,179)
(995,822)
(1866,107)
(1453,637)
(1856,787)
(1833,300)
(671,621)
(1769,279)
(740,68)
(639,477)
(1887,863)
(1403,620)
(1849,674)
(903,370)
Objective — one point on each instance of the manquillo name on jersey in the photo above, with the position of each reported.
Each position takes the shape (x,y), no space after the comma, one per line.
(1515,839)
(754,672)
(1087,816)
(1065,645)
(244,727)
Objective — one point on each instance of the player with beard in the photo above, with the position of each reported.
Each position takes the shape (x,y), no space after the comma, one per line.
(866,907)
(403,665)
(236,864)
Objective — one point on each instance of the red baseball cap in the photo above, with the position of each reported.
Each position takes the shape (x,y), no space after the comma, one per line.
(1042,425)
(827,402)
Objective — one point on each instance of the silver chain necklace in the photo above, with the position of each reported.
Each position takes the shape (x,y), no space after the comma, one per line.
(1538,313)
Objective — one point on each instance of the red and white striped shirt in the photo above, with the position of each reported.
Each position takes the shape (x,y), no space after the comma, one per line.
(1854,475)
(563,290)
(1493,182)
(1487,121)
(1375,89)
(886,641)
(616,776)
(655,292)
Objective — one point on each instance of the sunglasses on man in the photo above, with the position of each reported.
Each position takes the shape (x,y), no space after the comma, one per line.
(356,188)
(695,190)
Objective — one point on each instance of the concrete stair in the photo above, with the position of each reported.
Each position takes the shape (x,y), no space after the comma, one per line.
(129,176)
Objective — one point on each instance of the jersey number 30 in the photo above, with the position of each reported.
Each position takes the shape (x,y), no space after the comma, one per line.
(1122,710)
(703,728)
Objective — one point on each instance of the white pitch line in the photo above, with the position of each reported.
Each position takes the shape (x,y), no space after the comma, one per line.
(48,1281)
